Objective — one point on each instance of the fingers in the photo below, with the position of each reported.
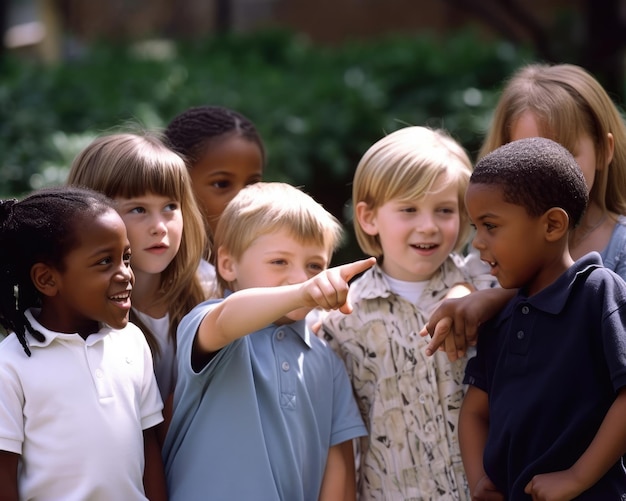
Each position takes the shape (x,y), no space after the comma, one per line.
(350,270)
(440,333)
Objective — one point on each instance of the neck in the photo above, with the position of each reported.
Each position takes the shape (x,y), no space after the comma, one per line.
(146,295)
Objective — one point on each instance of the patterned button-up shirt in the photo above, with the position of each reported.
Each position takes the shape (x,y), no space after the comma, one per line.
(410,402)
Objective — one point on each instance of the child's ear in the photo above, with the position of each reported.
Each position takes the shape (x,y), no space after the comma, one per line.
(44,278)
(226,265)
(365,216)
(556,223)
(610,149)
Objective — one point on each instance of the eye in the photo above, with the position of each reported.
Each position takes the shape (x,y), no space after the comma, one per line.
(107,260)
(172,206)
(316,267)
(137,210)
(279,262)
(408,210)
(221,185)
(447,210)
(126,258)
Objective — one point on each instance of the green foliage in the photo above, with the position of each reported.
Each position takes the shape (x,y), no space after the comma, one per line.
(317,108)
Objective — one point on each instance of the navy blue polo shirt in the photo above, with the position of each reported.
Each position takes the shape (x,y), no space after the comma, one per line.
(551,365)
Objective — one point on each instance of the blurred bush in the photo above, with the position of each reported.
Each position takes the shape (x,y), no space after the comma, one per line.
(317,108)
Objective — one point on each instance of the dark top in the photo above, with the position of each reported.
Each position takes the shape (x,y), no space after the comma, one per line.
(551,365)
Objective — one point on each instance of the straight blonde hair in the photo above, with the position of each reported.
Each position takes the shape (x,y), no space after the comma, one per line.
(262,208)
(405,165)
(128,165)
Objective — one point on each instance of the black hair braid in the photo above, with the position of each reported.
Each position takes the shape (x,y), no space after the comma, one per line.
(189,132)
(41,228)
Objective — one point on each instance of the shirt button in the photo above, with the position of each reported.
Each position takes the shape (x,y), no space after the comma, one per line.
(421,399)
(525,310)
(520,335)
(280,335)
(285,366)
(99,373)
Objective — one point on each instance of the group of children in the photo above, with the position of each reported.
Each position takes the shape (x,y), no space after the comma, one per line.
(212,386)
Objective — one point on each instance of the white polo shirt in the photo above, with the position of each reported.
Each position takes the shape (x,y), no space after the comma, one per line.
(76,410)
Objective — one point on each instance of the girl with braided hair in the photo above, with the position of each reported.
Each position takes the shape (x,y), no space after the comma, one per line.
(78,401)
(223,152)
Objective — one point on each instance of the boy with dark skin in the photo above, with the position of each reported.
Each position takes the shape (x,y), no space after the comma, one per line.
(543,415)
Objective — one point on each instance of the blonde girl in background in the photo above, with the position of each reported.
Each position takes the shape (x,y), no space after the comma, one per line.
(150,185)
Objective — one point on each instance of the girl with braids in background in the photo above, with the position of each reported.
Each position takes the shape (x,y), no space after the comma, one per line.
(150,185)
(223,152)
(78,401)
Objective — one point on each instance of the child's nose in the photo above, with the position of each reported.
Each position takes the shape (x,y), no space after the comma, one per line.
(477,242)
(426,223)
(125,273)
(298,275)
(157,226)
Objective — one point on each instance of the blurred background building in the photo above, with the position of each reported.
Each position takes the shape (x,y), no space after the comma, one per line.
(595,28)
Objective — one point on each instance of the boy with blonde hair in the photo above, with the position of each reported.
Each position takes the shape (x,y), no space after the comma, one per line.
(409,213)
(263,409)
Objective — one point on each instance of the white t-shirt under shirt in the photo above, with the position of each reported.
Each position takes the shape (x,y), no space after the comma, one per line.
(75,411)
(165,361)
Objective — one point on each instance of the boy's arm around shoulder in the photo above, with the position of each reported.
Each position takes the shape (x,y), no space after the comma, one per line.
(249,310)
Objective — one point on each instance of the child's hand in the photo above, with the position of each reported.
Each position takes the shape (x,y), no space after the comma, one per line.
(486,491)
(329,289)
(452,327)
(556,486)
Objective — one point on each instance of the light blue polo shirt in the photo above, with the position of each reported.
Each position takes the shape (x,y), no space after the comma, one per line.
(257,422)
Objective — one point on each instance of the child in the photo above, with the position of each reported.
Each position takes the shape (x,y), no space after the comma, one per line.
(78,387)
(263,408)
(224,152)
(564,103)
(409,213)
(151,186)
(543,415)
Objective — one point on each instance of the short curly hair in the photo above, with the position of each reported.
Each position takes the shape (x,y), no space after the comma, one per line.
(537,174)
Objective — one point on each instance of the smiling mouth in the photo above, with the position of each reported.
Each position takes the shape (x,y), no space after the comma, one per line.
(424,246)
(120,298)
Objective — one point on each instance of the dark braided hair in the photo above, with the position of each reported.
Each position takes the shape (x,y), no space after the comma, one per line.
(41,228)
(189,133)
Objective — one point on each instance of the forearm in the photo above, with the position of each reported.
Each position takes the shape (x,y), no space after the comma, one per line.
(154,475)
(473,429)
(339,482)
(608,445)
(8,476)
(244,312)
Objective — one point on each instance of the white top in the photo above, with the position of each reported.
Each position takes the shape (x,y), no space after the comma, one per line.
(76,410)
(165,361)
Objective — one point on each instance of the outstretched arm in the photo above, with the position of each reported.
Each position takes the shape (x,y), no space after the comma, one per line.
(339,482)
(454,324)
(604,451)
(8,476)
(249,310)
